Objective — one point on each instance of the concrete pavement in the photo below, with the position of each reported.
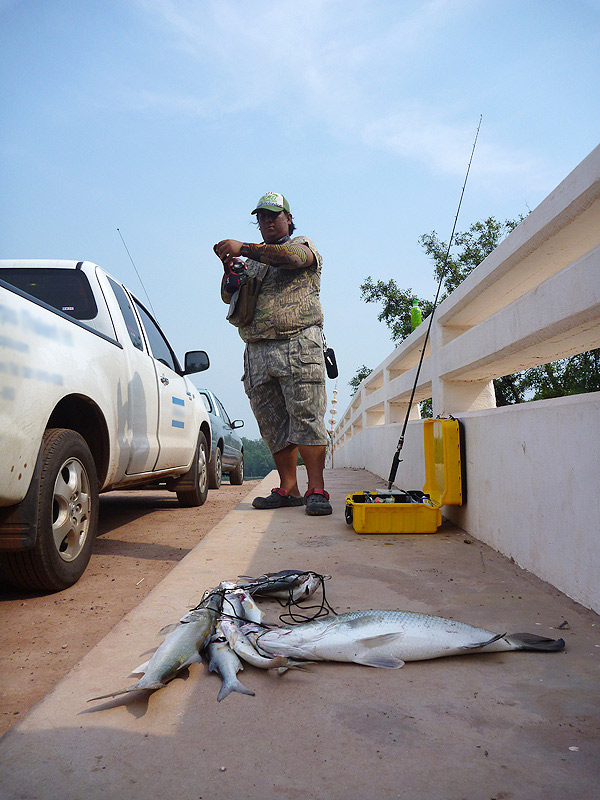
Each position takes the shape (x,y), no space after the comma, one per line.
(514,725)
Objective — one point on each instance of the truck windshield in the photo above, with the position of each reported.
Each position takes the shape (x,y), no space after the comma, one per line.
(66,290)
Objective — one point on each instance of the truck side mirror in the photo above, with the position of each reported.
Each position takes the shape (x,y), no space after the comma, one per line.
(196,361)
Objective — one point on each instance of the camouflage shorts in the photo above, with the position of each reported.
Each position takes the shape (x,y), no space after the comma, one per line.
(285,383)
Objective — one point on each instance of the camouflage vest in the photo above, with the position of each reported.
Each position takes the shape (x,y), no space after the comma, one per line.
(289,299)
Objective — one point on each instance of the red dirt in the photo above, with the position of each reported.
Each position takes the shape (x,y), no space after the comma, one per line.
(142,535)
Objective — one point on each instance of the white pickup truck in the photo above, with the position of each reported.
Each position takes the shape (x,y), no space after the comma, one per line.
(92,398)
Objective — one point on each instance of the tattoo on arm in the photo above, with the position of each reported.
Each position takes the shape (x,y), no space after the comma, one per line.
(291,256)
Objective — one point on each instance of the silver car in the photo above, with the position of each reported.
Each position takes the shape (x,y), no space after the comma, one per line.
(227,451)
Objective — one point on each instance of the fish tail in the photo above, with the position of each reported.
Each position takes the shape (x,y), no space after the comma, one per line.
(113,694)
(530,641)
(234,686)
(136,687)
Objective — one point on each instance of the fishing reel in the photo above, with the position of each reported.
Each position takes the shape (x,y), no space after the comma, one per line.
(234,269)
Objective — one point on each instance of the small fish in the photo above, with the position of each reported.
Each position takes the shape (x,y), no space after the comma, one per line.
(389,638)
(300,584)
(181,648)
(251,611)
(244,648)
(224,661)
(238,603)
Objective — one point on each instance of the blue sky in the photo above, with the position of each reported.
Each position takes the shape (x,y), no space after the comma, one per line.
(168,119)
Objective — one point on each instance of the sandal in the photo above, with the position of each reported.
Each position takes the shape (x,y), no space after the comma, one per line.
(317,503)
(278,498)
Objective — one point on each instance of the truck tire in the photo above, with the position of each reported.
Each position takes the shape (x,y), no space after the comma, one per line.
(193,486)
(215,470)
(67,516)
(236,475)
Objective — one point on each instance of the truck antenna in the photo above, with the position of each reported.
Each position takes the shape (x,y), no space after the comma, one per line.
(136,272)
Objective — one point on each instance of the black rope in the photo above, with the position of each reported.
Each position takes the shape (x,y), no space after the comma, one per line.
(295,618)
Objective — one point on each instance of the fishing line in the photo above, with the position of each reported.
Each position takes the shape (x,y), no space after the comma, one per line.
(136,272)
(396,459)
(294,618)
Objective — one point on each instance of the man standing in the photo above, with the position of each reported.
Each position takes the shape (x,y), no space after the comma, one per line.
(284,367)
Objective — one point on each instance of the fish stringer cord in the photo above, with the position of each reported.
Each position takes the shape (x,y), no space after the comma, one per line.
(294,617)
(396,460)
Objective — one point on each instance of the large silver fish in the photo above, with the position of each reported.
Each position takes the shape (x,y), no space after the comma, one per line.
(389,638)
(181,648)
(223,660)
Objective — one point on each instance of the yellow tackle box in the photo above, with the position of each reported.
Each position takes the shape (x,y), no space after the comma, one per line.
(413,511)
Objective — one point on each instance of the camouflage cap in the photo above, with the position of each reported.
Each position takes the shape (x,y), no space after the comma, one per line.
(272,201)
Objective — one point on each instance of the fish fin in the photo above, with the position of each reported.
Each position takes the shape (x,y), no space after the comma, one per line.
(168,629)
(530,641)
(380,640)
(380,661)
(291,664)
(478,645)
(193,659)
(141,669)
(115,694)
(238,686)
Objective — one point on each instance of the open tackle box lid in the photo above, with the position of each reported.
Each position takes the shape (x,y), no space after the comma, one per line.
(413,511)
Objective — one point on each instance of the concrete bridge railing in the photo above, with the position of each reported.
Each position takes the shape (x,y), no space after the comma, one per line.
(533,469)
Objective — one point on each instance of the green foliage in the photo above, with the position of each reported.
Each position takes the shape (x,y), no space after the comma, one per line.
(397,303)
(580,373)
(258,460)
(575,375)
(361,374)
(473,246)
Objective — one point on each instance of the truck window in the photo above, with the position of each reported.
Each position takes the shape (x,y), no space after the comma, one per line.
(161,349)
(66,290)
(128,314)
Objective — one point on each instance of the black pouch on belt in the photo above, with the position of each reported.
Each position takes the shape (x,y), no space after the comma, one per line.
(330,362)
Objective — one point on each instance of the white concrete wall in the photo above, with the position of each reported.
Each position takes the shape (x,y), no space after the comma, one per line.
(533,484)
(533,470)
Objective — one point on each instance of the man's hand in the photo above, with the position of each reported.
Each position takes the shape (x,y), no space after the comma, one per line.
(228,248)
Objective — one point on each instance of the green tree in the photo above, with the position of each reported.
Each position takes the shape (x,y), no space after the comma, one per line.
(475,245)
(573,375)
(258,460)
(361,374)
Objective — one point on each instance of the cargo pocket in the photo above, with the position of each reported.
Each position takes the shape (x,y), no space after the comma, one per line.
(310,366)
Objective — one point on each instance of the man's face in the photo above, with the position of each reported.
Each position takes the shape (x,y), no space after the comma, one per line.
(273,225)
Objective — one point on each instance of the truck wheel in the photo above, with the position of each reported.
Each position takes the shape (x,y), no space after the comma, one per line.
(215,470)
(67,516)
(194,484)
(236,476)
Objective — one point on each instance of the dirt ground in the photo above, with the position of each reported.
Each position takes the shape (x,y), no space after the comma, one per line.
(142,535)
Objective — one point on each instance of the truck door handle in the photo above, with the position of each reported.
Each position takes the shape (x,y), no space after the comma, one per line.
(190,395)
(164,381)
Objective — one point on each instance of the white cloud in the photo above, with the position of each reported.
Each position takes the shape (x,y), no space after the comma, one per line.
(323,61)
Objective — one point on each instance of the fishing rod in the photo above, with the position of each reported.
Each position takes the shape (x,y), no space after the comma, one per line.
(396,460)
(137,273)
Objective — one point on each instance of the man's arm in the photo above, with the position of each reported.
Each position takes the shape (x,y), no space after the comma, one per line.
(287,256)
